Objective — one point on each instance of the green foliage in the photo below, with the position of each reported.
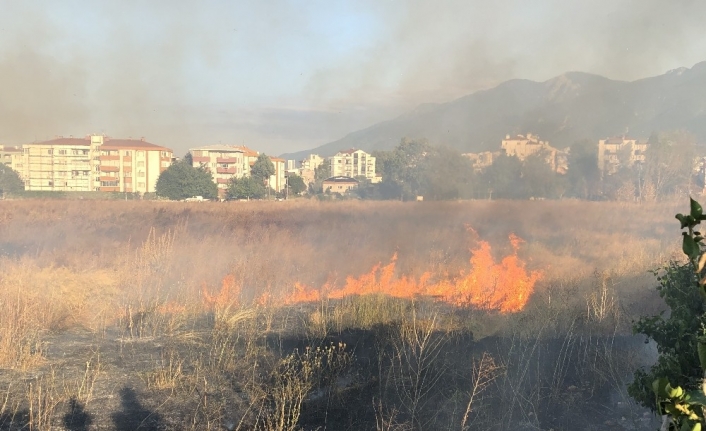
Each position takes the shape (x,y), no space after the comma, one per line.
(10,182)
(189,159)
(668,161)
(583,175)
(296,184)
(262,169)
(416,168)
(181,181)
(674,385)
(503,177)
(246,188)
(539,180)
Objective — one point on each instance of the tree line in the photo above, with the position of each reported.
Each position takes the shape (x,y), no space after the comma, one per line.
(416,168)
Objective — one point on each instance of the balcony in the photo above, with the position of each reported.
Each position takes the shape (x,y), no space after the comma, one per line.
(227,160)
(109,168)
(222,180)
(127,179)
(225,170)
(106,158)
(108,178)
(127,158)
(201,159)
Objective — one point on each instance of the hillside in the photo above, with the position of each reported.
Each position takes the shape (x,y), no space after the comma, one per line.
(566,108)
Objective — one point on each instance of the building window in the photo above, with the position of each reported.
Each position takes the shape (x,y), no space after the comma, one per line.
(62,152)
(75,152)
(140,184)
(140,164)
(50,152)
(140,174)
(127,153)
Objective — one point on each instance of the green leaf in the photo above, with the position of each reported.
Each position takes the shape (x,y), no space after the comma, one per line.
(682,220)
(659,387)
(690,247)
(697,427)
(696,210)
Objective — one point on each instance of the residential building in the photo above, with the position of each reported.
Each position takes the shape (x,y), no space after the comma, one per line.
(616,151)
(223,161)
(278,180)
(131,165)
(93,163)
(523,146)
(354,163)
(9,155)
(312,162)
(339,184)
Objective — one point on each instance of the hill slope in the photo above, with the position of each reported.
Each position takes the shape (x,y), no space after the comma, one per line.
(563,109)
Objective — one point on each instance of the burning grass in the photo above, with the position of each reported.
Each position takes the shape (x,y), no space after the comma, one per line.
(216,304)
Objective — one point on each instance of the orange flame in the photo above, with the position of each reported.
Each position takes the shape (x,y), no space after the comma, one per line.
(227,296)
(504,286)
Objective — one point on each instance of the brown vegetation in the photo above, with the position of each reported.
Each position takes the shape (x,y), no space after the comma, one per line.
(177,308)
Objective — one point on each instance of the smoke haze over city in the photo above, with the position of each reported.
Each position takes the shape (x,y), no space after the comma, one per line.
(286,76)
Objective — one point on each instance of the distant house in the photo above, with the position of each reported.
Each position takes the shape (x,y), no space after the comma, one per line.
(481,160)
(339,184)
(223,161)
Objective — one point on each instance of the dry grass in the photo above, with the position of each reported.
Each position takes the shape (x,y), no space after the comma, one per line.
(203,282)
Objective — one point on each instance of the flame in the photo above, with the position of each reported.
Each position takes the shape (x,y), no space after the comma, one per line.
(228,296)
(505,286)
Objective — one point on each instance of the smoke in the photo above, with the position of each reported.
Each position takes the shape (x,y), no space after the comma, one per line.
(284,76)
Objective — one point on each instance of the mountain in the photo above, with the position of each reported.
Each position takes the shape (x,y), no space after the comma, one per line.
(566,108)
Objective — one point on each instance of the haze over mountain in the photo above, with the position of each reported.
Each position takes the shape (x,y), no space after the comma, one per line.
(563,109)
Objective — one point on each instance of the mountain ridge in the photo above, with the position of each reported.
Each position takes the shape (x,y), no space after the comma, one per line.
(571,106)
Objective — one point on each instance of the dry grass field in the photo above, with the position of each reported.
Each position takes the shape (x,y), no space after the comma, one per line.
(314,315)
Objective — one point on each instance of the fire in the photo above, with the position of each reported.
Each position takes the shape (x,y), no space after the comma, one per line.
(228,296)
(505,286)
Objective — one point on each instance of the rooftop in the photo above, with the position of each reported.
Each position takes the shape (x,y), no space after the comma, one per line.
(219,147)
(109,143)
(341,180)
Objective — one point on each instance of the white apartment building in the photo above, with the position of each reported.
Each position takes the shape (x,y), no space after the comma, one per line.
(93,163)
(612,150)
(223,161)
(353,163)
(312,162)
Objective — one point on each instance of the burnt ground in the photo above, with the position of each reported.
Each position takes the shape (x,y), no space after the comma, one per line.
(546,385)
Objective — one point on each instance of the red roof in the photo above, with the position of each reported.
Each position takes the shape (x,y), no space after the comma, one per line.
(109,143)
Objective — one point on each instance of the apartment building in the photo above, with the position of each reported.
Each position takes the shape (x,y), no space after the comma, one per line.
(616,151)
(131,165)
(278,181)
(312,161)
(9,155)
(223,161)
(354,163)
(92,163)
(481,160)
(523,146)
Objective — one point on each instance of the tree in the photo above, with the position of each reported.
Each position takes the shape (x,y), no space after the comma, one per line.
(321,173)
(502,179)
(10,182)
(262,169)
(246,188)
(538,178)
(674,386)
(583,176)
(668,162)
(189,159)
(296,184)
(181,181)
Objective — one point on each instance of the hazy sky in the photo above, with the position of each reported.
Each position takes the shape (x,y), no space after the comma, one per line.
(283,76)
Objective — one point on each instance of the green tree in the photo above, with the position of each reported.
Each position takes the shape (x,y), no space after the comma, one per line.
(181,181)
(321,173)
(10,182)
(246,188)
(262,169)
(674,386)
(502,179)
(583,176)
(296,184)
(538,178)
(189,159)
